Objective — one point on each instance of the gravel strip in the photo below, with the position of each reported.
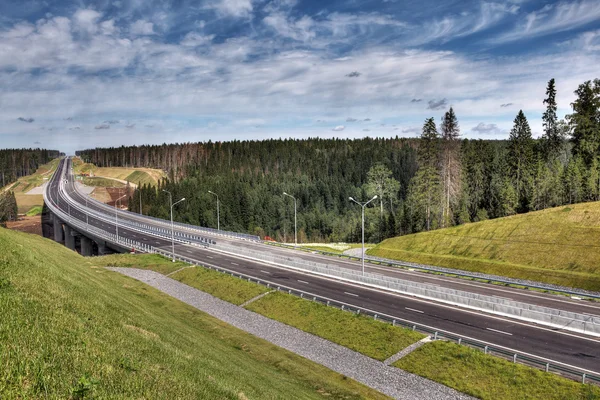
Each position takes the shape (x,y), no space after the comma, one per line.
(375,374)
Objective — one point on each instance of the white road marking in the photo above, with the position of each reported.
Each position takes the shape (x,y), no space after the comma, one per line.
(234,263)
(266,272)
(351,294)
(302,281)
(209,257)
(502,332)
(412,309)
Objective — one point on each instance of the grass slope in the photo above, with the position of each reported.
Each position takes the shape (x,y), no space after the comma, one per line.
(558,245)
(143,176)
(102,182)
(489,378)
(69,329)
(373,338)
(27,202)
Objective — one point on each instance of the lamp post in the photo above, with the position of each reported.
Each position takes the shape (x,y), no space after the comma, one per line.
(363,205)
(117,216)
(140,192)
(295,220)
(172,225)
(218,224)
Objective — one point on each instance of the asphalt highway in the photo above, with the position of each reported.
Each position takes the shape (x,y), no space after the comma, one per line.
(553,344)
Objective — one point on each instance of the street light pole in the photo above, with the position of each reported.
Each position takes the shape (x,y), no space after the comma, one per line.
(295,220)
(172,225)
(363,205)
(218,224)
(140,192)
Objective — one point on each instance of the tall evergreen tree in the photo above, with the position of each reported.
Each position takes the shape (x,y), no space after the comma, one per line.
(552,138)
(425,190)
(585,121)
(450,166)
(520,153)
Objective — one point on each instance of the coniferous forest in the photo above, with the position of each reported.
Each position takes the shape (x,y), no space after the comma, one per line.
(15,163)
(436,181)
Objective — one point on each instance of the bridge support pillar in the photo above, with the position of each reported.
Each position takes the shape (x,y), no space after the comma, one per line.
(102,248)
(58,229)
(86,246)
(69,237)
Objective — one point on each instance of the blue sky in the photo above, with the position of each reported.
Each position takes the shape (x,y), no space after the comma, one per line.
(80,74)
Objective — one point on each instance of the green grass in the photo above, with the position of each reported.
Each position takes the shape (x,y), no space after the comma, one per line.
(375,339)
(101,182)
(225,287)
(152,262)
(36,210)
(26,202)
(486,377)
(69,329)
(140,178)
(558,245)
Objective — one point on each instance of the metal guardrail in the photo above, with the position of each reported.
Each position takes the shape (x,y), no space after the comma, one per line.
(583,323)
(439,270)
(505,353)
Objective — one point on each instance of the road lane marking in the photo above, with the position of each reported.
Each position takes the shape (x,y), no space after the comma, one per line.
(302,281)
(412,309)
(502,332)
(209,257)
(266,272)
(351,294)
(234,263)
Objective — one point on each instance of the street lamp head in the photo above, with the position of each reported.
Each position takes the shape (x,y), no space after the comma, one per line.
(374,197)
(350,198)
(285,193)
(182,199)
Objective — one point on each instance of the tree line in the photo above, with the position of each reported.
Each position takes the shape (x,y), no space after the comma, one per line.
(435,181)
(15,163)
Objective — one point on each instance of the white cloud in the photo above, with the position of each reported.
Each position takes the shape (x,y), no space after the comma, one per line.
(339,128)
(86,20)
(553,18)
(142,27)
(232,8)
(483,128)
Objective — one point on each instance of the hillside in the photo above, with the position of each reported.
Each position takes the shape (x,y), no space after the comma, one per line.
(558,245)
(71,329)
(144,176)
(25,200)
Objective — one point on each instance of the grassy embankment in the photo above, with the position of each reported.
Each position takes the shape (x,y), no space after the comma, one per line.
(338,248)
(69,329)
(26,202)
(459,367)
(558,245)
(489,378)
(134,175)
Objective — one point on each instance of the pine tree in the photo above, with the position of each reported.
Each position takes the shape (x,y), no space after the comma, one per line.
(520,154)
(585,121)
(450,168)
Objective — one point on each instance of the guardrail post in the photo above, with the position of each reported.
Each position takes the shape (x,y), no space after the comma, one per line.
(302,295)
(327,303)
(485,350)
(414,327)
(435,336)
(515,358)
(583,378)
(393,322)
(459,340)
(375,317)
(342,307)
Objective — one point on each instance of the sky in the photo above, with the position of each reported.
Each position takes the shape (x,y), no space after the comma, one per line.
(81,74)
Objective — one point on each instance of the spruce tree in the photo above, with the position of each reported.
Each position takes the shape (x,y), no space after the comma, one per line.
(585,121)
(520,154)
(450,166)
(552,138)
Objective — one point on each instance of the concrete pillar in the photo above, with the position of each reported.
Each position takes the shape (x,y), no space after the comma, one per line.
(69,237)
(58,230)
(86,246)
(102,248)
